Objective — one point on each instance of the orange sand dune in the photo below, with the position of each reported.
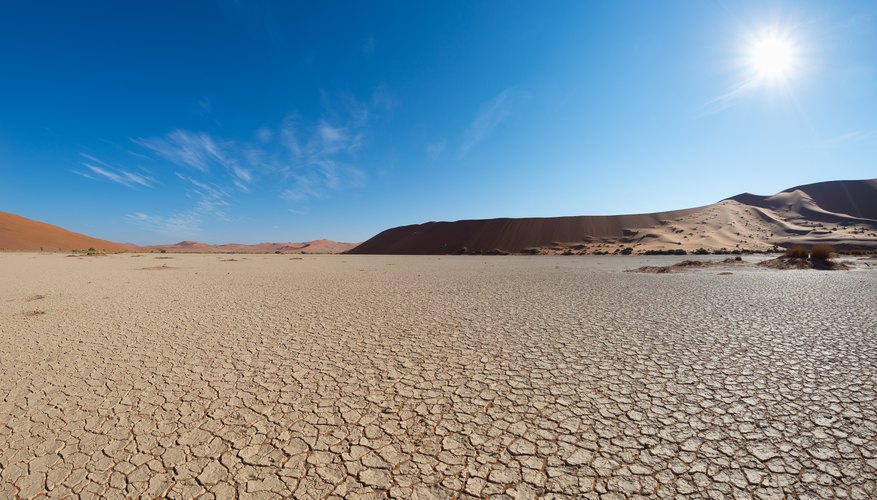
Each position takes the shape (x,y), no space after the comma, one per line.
(841,213)
(20,233)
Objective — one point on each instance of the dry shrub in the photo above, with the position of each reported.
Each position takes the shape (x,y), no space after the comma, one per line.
(821,252)
(798,252)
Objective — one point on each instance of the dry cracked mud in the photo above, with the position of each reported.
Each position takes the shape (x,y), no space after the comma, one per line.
(434,377)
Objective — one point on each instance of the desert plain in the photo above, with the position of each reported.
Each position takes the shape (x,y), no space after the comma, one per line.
(267,376)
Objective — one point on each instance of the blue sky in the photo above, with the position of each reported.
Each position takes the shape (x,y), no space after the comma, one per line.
(153,122)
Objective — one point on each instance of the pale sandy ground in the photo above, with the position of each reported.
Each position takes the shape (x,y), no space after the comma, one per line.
(433,377)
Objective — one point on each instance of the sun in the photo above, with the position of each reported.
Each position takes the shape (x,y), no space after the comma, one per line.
(772,57)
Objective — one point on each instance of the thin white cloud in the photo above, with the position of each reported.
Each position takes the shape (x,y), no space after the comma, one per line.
(97,169)
(368,47)
(264,135)
(306,187)
(850,138)
(209,199)
(729,98)
(302,159)
(196,150)
(490,115)
(206,105)
(435,149)
(182,224)
(331,135)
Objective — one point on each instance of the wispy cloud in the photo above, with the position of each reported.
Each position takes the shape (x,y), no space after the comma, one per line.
(490,115)
(196,150)
(183,224)
(297,160)
(209,200)
(435,149)
(730,98)
(849,138)
(206,105)
(97,169)
(320,158)
(368,47)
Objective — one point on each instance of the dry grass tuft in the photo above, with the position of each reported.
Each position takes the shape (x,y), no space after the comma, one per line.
(796,252)
(821,252)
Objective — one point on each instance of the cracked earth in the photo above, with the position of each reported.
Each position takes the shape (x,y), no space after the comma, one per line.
(433,377)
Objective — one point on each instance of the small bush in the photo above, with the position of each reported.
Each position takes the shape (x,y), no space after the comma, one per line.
(532,250)
(798,252)
(701,251)
(627,251)
(821,252)
(677,251)
(496,251)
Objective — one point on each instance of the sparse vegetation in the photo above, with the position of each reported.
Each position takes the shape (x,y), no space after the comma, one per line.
(798,257)
(532,251)
(796,252)
(496,251)
(821,252)
(685,265)
(677,251)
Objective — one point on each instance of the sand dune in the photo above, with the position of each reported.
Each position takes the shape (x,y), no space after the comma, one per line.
(315,246)
(20,233)
(842,213)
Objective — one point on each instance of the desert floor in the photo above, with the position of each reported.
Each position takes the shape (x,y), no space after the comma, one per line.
(360,376)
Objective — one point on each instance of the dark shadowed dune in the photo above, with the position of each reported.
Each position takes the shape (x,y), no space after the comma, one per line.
(843,213)
(832,201)
(511,235)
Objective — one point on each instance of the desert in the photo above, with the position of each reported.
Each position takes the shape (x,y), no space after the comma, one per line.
(269,376)
(499,250)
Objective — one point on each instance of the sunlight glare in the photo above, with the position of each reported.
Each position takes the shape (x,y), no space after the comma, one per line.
(772,57)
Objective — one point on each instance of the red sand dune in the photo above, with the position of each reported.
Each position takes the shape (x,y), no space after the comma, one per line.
(842,213)
(19,233)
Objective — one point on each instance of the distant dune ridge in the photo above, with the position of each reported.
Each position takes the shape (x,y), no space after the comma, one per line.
(840,213)
(315,246)
(21,234)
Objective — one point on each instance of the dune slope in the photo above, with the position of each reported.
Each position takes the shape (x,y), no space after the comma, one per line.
(20,233)
(841,213)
